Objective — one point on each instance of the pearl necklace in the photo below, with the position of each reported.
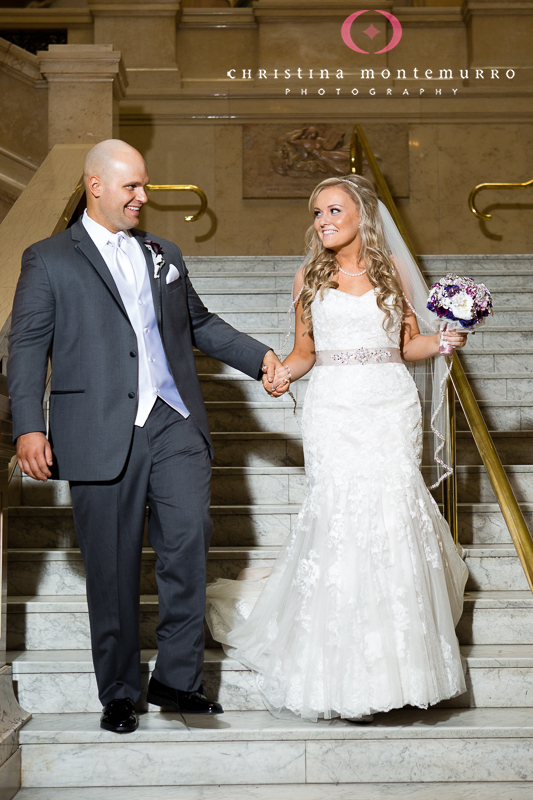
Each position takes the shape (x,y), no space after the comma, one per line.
(351,274)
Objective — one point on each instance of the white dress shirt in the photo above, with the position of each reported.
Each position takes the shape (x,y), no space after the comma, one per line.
(154,376)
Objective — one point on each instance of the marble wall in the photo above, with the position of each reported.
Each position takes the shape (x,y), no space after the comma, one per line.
(189,118)
(446,161)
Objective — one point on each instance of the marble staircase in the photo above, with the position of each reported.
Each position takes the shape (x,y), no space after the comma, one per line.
(258,482)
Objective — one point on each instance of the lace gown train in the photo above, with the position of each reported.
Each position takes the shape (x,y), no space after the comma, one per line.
(358,614)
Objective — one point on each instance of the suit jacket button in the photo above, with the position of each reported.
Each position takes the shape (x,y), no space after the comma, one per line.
(131,395)
(133,354)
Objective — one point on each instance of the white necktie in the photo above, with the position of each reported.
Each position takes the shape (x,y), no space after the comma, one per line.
(123,262)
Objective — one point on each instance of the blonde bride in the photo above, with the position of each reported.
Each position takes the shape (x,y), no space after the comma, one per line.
(358,614)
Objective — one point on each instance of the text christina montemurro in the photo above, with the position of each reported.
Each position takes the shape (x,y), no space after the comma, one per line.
(486,73)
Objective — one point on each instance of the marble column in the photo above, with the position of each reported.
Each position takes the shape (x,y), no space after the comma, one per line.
(85,86)
(12,716)
(145,34)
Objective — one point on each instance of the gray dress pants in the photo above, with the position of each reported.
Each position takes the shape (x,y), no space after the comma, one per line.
(168,466)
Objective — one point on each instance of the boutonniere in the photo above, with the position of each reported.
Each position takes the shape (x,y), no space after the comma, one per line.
(157,252)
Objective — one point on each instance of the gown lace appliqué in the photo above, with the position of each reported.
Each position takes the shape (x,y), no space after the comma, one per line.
(358,614)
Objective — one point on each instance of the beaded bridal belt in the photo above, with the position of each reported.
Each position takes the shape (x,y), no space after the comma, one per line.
(362,355)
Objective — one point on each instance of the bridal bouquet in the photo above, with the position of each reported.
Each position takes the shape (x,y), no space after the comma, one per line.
(459,303)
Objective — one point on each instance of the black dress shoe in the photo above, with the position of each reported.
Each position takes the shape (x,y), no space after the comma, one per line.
(119,716)
(184,702)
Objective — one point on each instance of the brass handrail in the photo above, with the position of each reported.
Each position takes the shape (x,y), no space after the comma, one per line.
(512,513)
(475,191)
(182,187)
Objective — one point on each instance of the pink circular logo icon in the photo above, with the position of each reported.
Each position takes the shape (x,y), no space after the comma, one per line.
(371,31)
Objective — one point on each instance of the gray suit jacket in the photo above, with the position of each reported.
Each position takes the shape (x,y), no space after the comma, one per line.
(68,306)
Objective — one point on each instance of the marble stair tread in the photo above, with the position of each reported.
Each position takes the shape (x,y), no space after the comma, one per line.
(491,351)
(491,550)
(478,656)
(406,723)
(282,508)
(519,376)
(69,553)
(493,599)
(510,790)
(31,661)
(226,378)
(266,508)
(489,327)
(64,604)
(60,570)
(448,261)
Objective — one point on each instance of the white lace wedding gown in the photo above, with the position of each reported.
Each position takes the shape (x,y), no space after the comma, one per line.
(359,612)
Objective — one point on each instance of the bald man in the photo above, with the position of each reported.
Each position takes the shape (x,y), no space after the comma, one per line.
(114,309)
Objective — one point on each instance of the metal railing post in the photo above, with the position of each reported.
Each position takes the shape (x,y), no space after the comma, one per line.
(449,486)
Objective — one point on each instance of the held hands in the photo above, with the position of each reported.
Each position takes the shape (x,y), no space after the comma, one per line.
(34,455)
(276,376)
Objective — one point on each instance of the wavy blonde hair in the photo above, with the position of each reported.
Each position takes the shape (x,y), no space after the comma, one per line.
(320,267)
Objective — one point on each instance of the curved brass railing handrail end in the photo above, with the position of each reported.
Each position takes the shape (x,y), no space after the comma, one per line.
(471,204)
(473,194)
(183,187)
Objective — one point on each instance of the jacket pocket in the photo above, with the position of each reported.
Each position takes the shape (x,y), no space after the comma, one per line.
(173,286)
(67,391)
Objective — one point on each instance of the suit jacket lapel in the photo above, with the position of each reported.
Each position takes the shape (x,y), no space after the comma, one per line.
(155,283)
(85,245)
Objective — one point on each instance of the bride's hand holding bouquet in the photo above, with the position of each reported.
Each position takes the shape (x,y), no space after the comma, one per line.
(460,305)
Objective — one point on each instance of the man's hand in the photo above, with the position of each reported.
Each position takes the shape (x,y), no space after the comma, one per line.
(271,363)
(34,455)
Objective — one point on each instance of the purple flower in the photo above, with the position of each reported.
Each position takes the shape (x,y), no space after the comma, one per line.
(450,295)
(155,246)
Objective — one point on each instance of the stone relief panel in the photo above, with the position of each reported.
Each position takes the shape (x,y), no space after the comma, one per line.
(280,160)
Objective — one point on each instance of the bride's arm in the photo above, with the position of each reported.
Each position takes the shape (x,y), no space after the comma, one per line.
(416,347)
(302,356)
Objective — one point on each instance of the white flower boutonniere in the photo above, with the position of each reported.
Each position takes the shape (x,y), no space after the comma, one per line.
(157,253)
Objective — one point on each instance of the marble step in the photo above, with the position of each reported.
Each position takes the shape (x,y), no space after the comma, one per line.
(502,386)
(58,572)
(39,571)
(513,447)
(268,317)
(473,360)
(241,388)
(497,617)
(494,567)
(51,622)
(256,448)
(207,281)
(490,337)
(438,264)
(282,280)
(502,415)
(496,360)
(63,681)
(509,790)
(239,296)
(252,747)
(483,523)
(268,485)
(242,525)
(253,294)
